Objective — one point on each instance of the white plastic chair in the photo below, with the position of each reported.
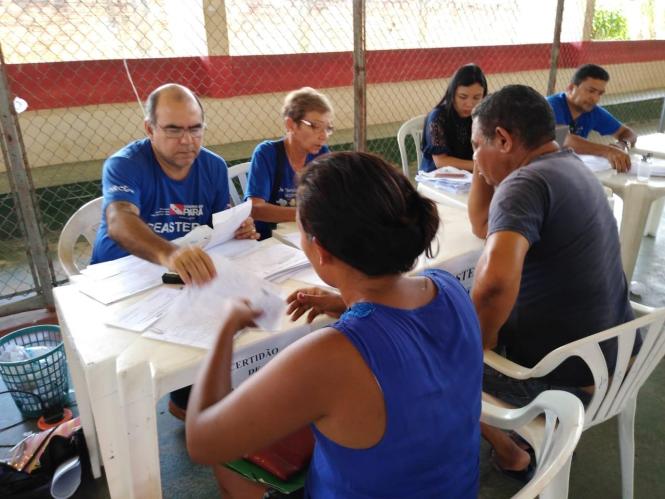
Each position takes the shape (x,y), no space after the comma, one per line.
(83,223)
(564,420)
(238,171)
(413,127)
(614,395)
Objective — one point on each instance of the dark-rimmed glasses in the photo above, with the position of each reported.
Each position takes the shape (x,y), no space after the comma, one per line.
(177,132)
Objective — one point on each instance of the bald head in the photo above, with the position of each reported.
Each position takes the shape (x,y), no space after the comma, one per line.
(170,92)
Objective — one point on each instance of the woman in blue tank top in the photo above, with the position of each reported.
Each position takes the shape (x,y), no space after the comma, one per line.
(392,389)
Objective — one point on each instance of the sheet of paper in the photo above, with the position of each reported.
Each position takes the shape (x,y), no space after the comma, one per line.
(447,178)
(114,267)
(595,163)
(199,236)
(121,286)
(145,312)
(600,164)
(196,316)
(234,247)
(226,222)
(293,238)
(273,261)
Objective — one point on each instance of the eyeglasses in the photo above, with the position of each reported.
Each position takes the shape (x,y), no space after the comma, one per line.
(177,132)
(318,127)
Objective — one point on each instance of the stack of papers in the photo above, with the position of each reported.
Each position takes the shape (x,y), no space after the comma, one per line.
(447,178)
(273,262)
(116,280)
(595,163)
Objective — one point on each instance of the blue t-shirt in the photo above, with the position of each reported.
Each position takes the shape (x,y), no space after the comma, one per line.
(597,119)
(572,282)
(262,176)
(172,208)
(428,363)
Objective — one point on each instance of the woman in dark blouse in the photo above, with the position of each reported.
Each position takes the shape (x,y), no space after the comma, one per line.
(447,133)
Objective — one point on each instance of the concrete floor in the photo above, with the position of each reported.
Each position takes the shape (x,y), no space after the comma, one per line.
(595,470)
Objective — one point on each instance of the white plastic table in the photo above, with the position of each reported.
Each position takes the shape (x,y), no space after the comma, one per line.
(637,200)
(148,369)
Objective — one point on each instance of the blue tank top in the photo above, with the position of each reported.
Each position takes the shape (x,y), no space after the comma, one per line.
(428,363)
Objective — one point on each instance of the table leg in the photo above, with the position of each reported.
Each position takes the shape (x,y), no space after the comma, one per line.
(655,214)
(82,401)
(636,203)
(137,408)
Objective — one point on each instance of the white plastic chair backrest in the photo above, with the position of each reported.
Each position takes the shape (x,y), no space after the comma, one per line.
(611,394)
(238,171)
(413,127)
(564,422)
(84,222)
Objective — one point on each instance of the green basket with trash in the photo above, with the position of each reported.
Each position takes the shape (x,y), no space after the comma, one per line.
(34,368)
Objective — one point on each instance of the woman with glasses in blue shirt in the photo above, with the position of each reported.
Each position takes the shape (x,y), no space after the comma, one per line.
(308,118)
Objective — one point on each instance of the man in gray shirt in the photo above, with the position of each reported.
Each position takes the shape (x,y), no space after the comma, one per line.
(551,269)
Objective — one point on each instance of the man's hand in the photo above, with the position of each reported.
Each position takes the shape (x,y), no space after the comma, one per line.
(246,230)
(192,264)
(317,301)
(619,159)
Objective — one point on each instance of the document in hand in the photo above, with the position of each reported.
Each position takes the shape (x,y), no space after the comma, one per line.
(224,224)
(197,314)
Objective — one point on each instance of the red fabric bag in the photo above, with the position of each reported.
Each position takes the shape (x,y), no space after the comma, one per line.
(287,456)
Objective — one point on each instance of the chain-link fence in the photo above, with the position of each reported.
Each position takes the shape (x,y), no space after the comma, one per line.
(84,66)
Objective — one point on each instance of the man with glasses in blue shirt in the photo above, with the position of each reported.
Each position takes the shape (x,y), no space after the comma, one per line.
(160,188)
(578,108)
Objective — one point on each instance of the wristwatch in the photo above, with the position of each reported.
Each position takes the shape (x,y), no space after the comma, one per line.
(623,144)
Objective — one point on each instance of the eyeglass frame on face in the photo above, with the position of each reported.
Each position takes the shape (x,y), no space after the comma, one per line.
(178,132)
(316,128)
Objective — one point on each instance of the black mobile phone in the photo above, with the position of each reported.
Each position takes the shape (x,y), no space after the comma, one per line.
(172,278)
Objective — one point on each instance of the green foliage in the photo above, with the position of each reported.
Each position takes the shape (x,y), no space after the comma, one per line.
(609,25)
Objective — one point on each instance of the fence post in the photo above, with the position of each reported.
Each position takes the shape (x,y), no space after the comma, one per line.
(359,81)
(21,184)
(556,43)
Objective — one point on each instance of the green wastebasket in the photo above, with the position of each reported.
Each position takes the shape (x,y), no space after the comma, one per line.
(40,384)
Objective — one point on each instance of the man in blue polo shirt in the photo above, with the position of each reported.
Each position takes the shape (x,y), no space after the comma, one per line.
(578,108)
(160,188)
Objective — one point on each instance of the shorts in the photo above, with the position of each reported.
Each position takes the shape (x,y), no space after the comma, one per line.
(519,392)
